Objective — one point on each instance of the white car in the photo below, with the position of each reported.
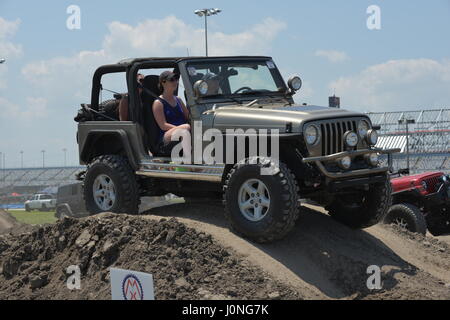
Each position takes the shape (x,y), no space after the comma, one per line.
(42,202)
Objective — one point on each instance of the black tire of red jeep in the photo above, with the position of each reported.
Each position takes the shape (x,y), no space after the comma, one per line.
(375,206)
(127,189)
(283,209)
(411,215)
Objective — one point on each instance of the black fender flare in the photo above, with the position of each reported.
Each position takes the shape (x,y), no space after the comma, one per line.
(88,151)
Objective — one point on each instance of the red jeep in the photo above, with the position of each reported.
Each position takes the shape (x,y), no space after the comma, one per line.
(421,202)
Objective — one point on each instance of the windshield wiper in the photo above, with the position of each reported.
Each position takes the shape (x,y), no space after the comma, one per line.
(254,92)
(219,95)
(264,93)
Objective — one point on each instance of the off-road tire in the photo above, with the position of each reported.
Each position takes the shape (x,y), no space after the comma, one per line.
(27,208)
(62,212)
(127,189)
(438,223)
(284,204)
(375,204)
(44,208)
(410,214)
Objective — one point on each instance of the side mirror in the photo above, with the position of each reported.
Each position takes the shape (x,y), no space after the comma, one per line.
(294,83)
(200,88)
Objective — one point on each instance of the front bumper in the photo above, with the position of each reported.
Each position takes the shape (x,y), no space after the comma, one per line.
(319,161)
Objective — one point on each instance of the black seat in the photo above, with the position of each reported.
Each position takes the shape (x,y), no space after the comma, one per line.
(150,82)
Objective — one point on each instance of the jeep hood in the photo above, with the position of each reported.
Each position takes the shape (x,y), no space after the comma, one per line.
(275,117)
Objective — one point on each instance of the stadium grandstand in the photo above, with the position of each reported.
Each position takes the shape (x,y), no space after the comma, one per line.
(424,135)
(16,185)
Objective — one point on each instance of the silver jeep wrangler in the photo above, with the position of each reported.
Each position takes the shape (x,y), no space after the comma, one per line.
(323,154)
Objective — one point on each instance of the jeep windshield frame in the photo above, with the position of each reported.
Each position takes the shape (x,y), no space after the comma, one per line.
(225,71)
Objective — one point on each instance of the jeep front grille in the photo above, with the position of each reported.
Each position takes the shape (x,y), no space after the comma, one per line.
(332,135)
(432,184)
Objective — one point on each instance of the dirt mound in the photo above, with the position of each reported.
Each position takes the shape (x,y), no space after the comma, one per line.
(9,224)
(323,259)
(185,264)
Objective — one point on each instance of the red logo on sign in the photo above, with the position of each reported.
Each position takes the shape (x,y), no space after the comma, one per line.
(132,288)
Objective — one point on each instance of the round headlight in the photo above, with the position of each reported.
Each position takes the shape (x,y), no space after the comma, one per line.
(295,83)
(201,87)
(312,134)
(363,127)
(345,162)
(351,139)
(372,159)
(372,137)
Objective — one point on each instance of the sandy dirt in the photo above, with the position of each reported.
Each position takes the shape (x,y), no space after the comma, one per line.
(326,260)
(319,259)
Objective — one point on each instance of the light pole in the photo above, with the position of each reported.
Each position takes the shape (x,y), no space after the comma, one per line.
(43,158)
(407,122)
(65,151)
(21,159)
(205,13)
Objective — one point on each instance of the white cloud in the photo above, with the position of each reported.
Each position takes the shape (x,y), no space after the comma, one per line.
(8,49)
(332,55)
(402,84)
(70,77)
(172,37)
(7,30)
(35,108)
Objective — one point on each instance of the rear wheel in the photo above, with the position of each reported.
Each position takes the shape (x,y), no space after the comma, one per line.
(261,207)
(27,208)
(110,186)
(407,216)
(365,209)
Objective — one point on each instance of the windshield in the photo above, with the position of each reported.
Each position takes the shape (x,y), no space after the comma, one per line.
(237,78)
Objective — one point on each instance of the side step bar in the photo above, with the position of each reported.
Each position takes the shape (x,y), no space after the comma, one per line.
(212,173)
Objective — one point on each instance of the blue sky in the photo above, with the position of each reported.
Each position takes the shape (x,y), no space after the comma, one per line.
(405,65)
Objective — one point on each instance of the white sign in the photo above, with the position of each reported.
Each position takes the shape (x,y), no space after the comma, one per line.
(131,285)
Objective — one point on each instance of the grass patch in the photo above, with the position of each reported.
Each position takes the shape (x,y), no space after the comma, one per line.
(34,217)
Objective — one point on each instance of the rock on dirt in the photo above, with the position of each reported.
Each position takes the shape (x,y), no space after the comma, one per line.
(185,264)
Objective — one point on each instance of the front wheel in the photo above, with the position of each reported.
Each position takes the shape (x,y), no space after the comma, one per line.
(407,216)
(261,207)
(110,186)
(363,209)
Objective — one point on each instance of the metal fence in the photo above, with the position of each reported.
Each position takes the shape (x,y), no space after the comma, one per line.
(428,134)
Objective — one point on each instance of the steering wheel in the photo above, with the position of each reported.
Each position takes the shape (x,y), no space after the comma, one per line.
(242,88)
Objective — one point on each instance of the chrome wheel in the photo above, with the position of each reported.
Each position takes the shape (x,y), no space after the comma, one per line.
(104,192)
(254,200)
(401,223)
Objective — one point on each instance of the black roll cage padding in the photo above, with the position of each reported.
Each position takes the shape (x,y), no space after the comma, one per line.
(96,81)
